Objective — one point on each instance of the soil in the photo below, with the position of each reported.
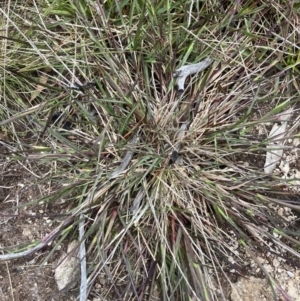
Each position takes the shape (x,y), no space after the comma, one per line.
(30,278)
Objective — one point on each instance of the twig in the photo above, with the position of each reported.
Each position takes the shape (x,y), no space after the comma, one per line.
(28,252)
(125,162)
(10,282)
(183,72)
(137,201)
(82,254)
(276,141)
(41,245)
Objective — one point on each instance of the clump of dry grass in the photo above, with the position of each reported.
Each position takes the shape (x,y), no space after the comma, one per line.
(163,224)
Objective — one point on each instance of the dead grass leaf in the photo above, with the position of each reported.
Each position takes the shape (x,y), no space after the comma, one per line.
(39,88)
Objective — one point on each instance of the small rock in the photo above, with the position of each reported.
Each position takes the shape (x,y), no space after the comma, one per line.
(67,271)
(290,274)
(276,262)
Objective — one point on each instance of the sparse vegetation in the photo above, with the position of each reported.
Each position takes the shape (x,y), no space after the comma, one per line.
(85,84)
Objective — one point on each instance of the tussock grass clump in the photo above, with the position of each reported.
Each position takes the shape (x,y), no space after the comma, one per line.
(164,183)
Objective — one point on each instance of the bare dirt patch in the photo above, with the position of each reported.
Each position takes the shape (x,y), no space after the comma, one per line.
(28,278)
